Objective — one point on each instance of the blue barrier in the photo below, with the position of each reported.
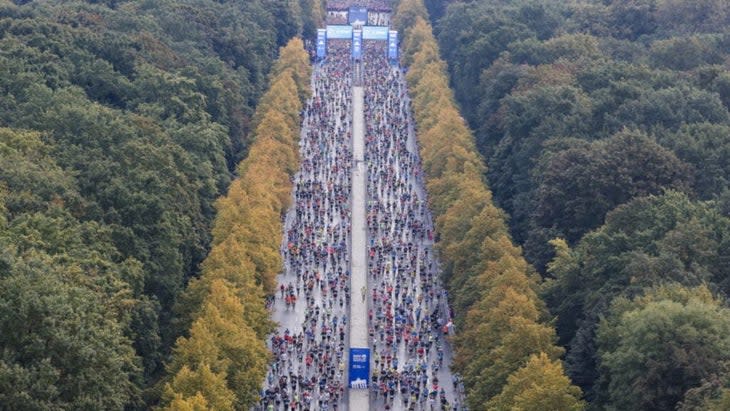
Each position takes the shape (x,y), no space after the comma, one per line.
(359,373)
(393,45)
(321,43)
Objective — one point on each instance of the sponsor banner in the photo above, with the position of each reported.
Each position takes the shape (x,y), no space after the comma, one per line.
(358,15)
(357,44)
(359,374)
(339,32)
(393,45)
(375,33)
(321,43)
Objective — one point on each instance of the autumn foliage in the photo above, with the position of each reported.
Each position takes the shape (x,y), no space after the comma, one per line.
(504,336)
(222,362)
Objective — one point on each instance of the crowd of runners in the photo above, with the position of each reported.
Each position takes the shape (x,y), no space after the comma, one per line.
(310,346)
(408,316)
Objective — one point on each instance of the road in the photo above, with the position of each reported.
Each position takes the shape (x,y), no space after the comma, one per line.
(358,399)
(359,222)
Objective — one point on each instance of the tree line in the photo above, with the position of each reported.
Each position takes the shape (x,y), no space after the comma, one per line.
(506,346)
(121,123)
(223,360)
(606,128)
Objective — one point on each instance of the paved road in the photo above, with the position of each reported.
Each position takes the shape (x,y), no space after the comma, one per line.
(359,221)
(312,305)
(408,303)
(358,399)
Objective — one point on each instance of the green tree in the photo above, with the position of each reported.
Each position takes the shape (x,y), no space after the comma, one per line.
(578,185)
(63,347)
(654,348)
(646,242)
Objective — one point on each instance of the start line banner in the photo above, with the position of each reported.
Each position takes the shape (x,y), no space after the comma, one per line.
(375,33)
(339,32)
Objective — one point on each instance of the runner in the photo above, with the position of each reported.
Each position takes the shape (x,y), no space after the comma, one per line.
(408,315)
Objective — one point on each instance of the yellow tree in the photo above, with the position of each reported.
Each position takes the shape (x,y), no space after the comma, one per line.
(540,385)
(457,219)
(229,261)
(427,57)
(195,403)
(199,389)
(500,265)
(484,240)
(281,99)
(487,325)
(505,321)
(222,362)
(262,238)
(420,32)
(406,14)
(295,59)
(491,369)
(221,340)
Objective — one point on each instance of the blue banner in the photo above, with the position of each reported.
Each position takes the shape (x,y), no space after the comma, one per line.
(358,15)
(321,43)
(393,45)
(375,33)
(339,32)
(359,375)
(357,44)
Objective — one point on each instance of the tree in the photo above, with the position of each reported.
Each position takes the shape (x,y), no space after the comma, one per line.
(656,347)
(223,361)
(220,342)
(406,14)
(706,147)
(644,243)
(196,403)
(63,347)
(539,385)
(500,319)
(201,389)
(578,185)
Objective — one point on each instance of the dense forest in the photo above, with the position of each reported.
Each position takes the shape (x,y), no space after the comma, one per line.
(576,156)
(606,131)
(121,123)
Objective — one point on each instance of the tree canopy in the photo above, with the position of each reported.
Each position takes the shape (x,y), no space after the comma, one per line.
(604,125)
(122,123)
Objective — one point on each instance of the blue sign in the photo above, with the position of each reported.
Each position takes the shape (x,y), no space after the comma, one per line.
(359,375)
(375,33)
(358,15)
(339,32)
(357,44)
(321,43)
(393,45)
